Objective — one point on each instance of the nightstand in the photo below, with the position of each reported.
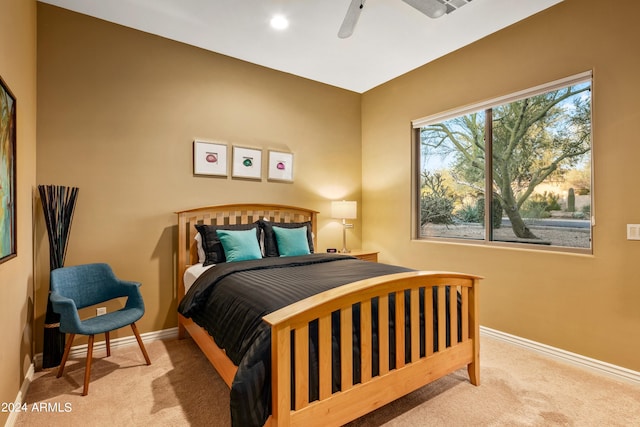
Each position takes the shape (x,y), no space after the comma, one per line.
(364,255)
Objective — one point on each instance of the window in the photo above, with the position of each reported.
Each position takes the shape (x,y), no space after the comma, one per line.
(535,186)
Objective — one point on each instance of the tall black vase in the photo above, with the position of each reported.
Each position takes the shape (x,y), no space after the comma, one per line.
(54,340)
(58,204)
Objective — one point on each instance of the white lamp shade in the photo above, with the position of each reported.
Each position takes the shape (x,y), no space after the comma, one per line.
(344,209)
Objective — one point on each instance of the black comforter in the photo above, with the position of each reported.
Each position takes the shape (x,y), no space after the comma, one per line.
(230,299)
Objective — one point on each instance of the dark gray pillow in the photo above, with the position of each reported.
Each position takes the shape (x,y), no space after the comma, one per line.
(213,250)
(270,242)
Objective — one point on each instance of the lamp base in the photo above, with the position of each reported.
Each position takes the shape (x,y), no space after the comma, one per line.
(344,236)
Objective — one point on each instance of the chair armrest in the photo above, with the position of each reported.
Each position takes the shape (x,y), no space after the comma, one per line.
(129,283)
(133,294)
(66,308)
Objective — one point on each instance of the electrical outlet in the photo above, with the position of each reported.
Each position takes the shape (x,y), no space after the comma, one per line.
(101,310)
(633,231)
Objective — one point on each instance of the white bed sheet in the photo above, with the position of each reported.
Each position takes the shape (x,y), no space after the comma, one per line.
(192,273)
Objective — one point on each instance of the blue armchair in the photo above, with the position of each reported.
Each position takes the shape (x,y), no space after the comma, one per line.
(81,286)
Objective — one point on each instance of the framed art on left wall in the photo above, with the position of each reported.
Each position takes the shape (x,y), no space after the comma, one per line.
(7,173)
(209,158)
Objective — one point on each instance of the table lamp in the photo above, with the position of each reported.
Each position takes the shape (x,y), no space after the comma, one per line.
(344,210)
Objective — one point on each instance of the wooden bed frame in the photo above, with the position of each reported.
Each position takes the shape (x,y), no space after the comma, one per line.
(372,392)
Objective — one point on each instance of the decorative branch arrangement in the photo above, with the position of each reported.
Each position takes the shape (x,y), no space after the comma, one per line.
(58,203)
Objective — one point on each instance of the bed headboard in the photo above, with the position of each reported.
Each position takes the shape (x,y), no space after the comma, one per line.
(230,215)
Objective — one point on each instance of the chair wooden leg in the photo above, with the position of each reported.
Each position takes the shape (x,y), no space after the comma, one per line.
(108,343)
(65,355)
(87,371)
(144,351)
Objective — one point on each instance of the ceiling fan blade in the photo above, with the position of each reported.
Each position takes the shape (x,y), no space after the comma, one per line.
(351,18)
(431,8)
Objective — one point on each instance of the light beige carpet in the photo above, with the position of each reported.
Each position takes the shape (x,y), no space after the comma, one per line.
(180,388)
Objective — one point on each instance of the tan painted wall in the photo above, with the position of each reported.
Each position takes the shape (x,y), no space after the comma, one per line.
(118,110)
(584,304)
(18,70)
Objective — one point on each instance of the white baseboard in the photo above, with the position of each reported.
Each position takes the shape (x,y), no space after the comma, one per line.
(13,415)
(614,371)
(81,350)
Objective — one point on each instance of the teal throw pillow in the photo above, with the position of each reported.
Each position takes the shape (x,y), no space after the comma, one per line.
(239,245)
(292,241)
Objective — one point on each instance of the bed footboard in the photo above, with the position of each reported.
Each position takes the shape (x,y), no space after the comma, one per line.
(372,391)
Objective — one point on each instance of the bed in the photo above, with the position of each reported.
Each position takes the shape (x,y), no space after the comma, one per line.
(329,357)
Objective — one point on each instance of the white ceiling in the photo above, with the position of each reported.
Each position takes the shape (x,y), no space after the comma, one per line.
(391,38)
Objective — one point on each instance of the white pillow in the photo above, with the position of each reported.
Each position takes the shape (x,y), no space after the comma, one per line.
(201,255)
(192,273)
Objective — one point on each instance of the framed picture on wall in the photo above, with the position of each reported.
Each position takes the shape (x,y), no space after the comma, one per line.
(209,158)
(7,173)
(280,166)
(247,163)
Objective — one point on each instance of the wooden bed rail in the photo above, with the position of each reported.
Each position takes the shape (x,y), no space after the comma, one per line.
(373,391)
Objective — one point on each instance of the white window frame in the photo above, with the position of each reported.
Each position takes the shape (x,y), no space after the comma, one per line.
(416,124)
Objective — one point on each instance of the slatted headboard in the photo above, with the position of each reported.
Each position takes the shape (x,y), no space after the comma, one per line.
(230,215)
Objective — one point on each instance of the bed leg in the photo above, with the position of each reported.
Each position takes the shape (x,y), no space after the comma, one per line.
(473,369)
(182,331)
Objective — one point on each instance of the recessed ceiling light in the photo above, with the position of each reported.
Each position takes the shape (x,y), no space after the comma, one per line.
(279,22)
